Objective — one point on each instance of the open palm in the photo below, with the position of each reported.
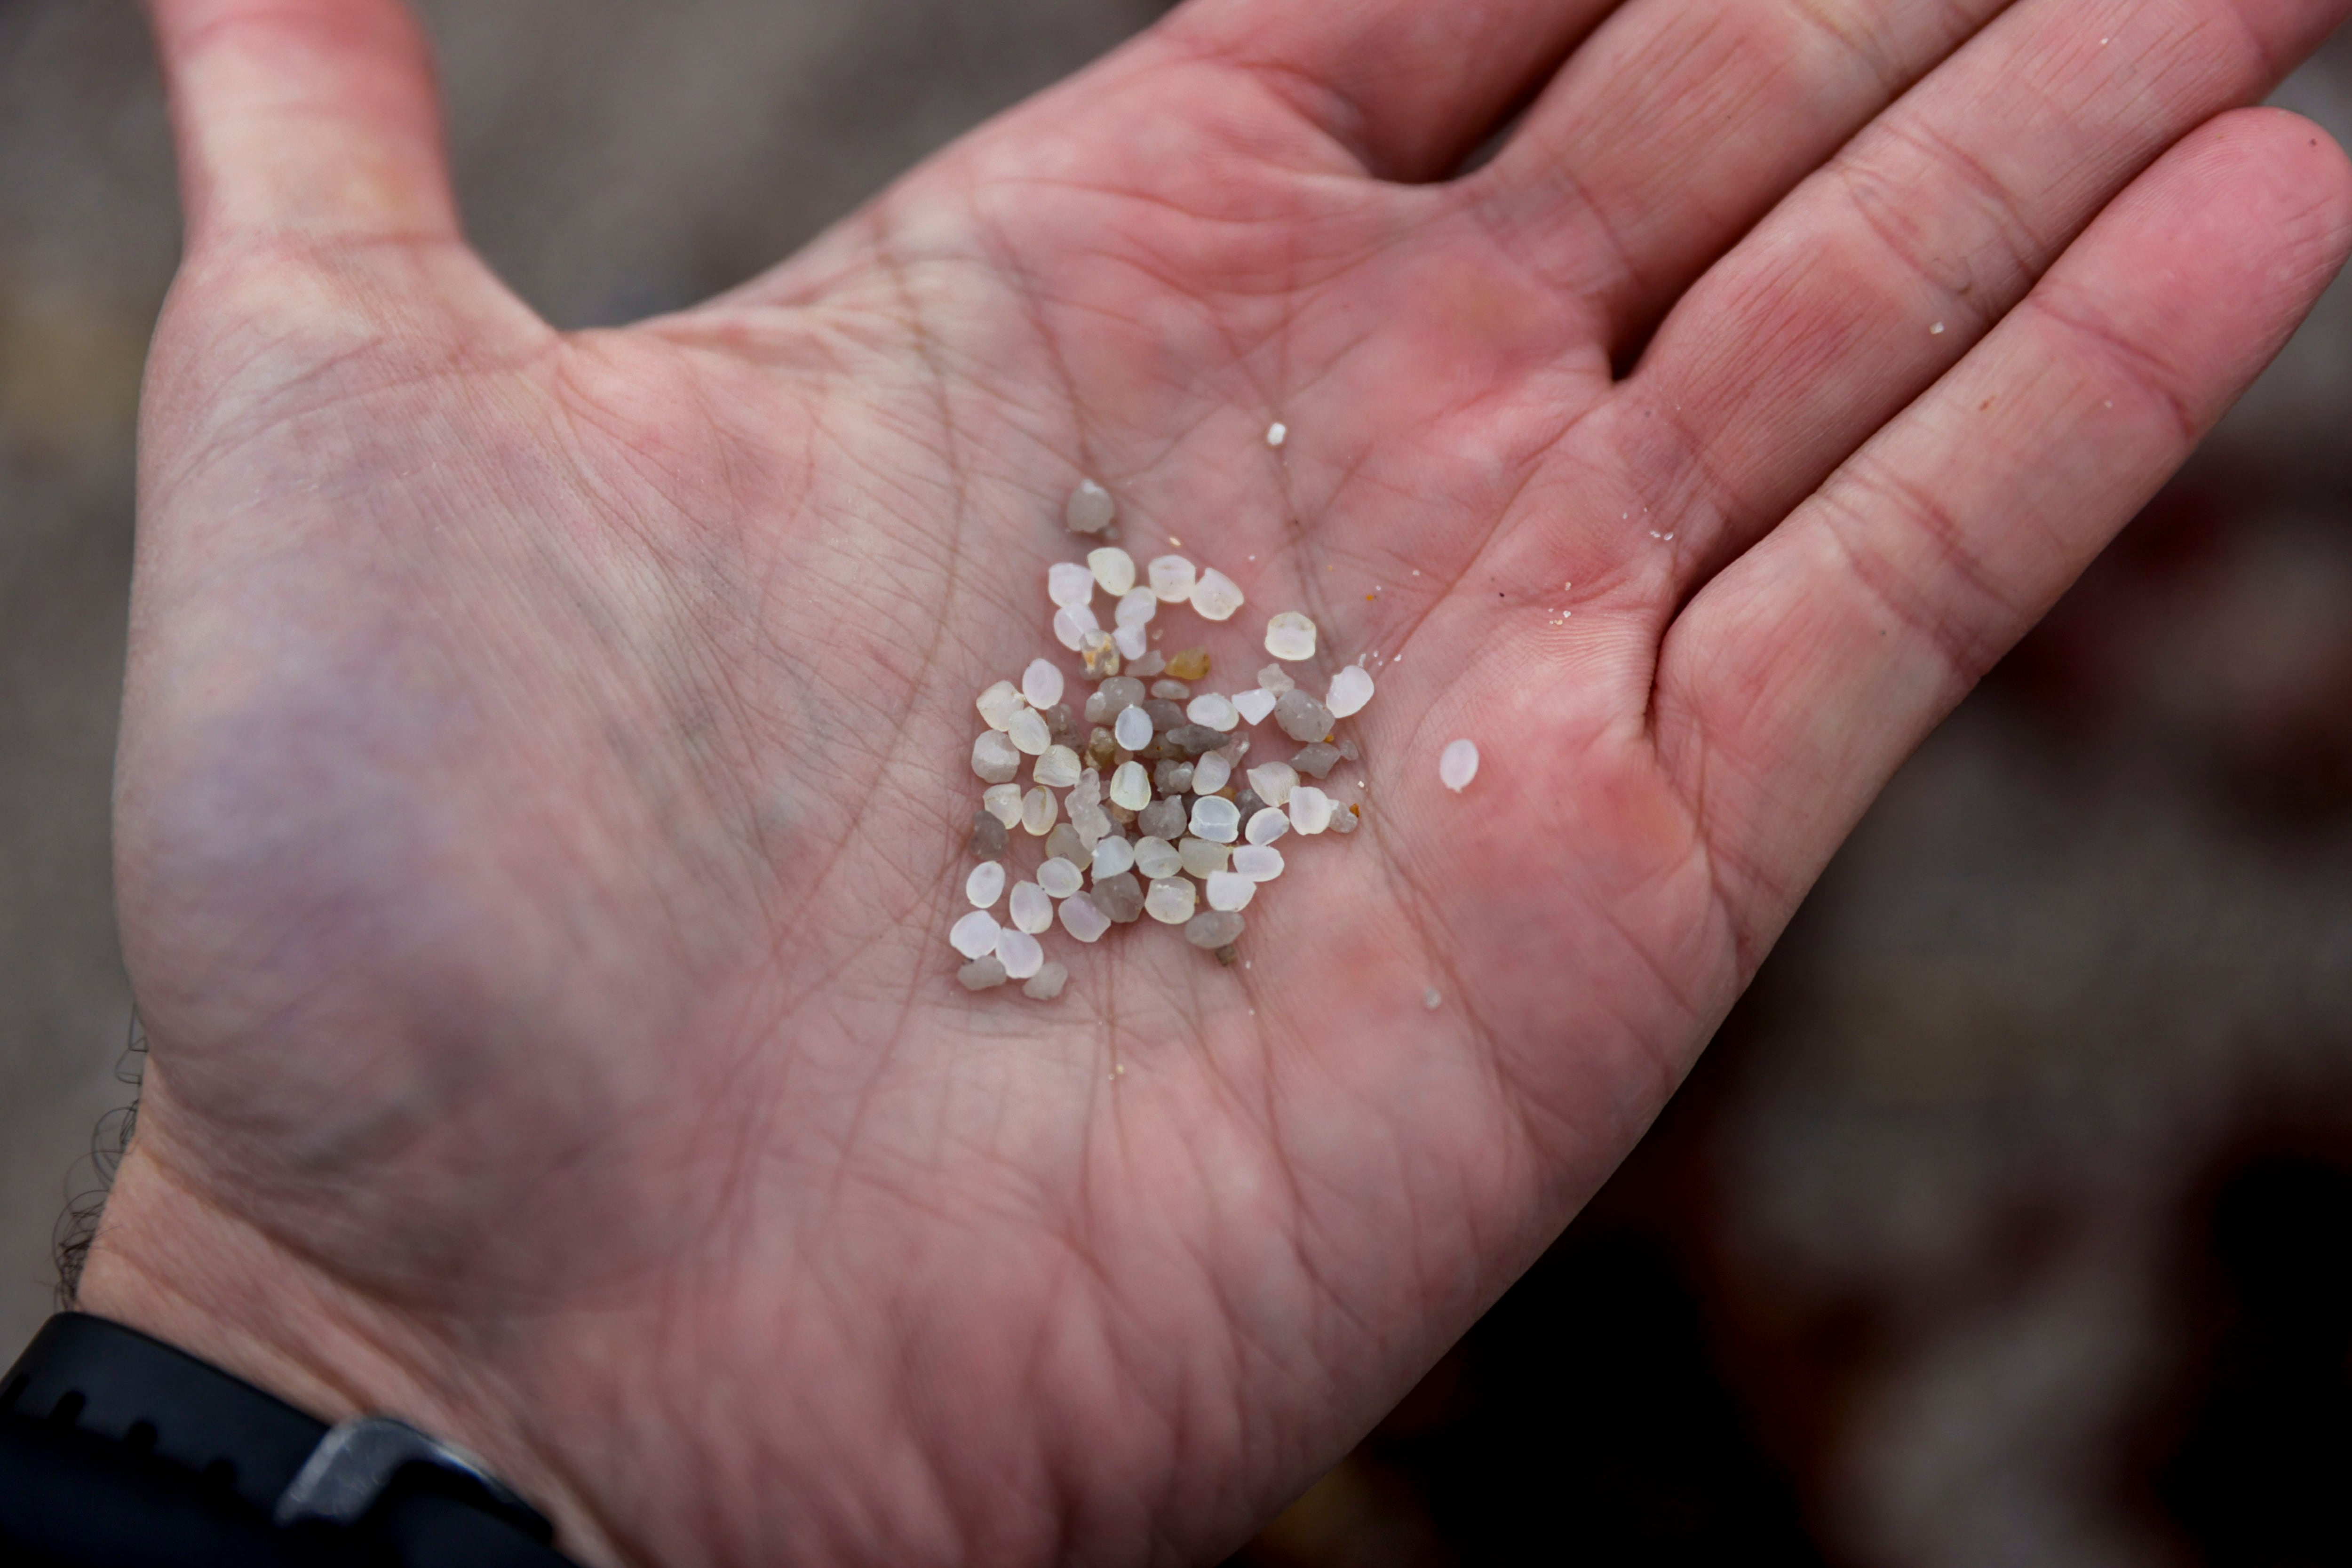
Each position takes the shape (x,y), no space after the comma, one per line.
(543,780)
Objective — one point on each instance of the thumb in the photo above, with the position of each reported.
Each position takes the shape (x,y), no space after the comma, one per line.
(314,120)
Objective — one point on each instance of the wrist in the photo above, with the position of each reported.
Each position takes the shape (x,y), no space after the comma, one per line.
(172,1264)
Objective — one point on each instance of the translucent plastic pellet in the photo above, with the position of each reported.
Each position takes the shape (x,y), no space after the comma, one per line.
(1132,642)
(1059,878)
(1069,584)
(1002,802)
(1041,683)
(1131,786)
(1310,809)
(1113,855)
(985,885)
(1171,578)
(1019,953)
(1458,765)
(1275,679)
(1098,654)
(995,758)
(1217,597)
(974,936)
(1028,732)
(1267,825)
(1217,819)
(1136,608)
(1156,858)
(1082,920)
(1203,856)
(1048,983)
(1090,510)
(1113,568)
(1039,811)
(1216,711)
(1067,842)
(1071,627)
(1258,862)
(1274,782)
(1216,929)
(1031,906)
(1132,730)
(1290,636)
(999,703)
(982,974)
(1211,774)
(1171,900)
(1230,891)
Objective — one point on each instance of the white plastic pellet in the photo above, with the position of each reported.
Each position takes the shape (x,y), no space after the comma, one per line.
(1227,890)
(1267,825)
(1028,733)
(1258,862)
(1113,568)
(994,758)
(1350,690)
(1171,578)
(1069,584)
(1253,705)
(1059,878)
(1131,786)
(1217,819)
(1156,857)
(1041,683)
(1211,774)
(1132,730)
(1071,627)
(1031,906)
(1310,809)
(1216,711)
(985,885)
(1039,811)
(1277,433)
(1458,765)
(1113,855)
(1169,900)
(1136,608)
(1002,802)
(1019,953)
(1274,782)
(974,936)
(1215,597)
(1290,636)
(1132,642)
(1058,768)
(999,703)
(1082,920)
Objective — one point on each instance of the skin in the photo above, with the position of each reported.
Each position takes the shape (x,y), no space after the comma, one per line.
(542,778)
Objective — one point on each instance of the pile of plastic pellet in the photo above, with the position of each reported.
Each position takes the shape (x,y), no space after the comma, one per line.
(1142,801)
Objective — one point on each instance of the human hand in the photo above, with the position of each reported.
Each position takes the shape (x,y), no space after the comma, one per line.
(543,783)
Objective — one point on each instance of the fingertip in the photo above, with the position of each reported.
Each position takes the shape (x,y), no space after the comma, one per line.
(2274,178)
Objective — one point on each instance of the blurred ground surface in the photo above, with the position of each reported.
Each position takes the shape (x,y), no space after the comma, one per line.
(2010,1220)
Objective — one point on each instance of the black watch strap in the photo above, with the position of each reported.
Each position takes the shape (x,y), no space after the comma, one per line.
(117,1449)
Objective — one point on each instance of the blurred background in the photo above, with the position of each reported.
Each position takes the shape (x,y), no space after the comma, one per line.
(2010,1220)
